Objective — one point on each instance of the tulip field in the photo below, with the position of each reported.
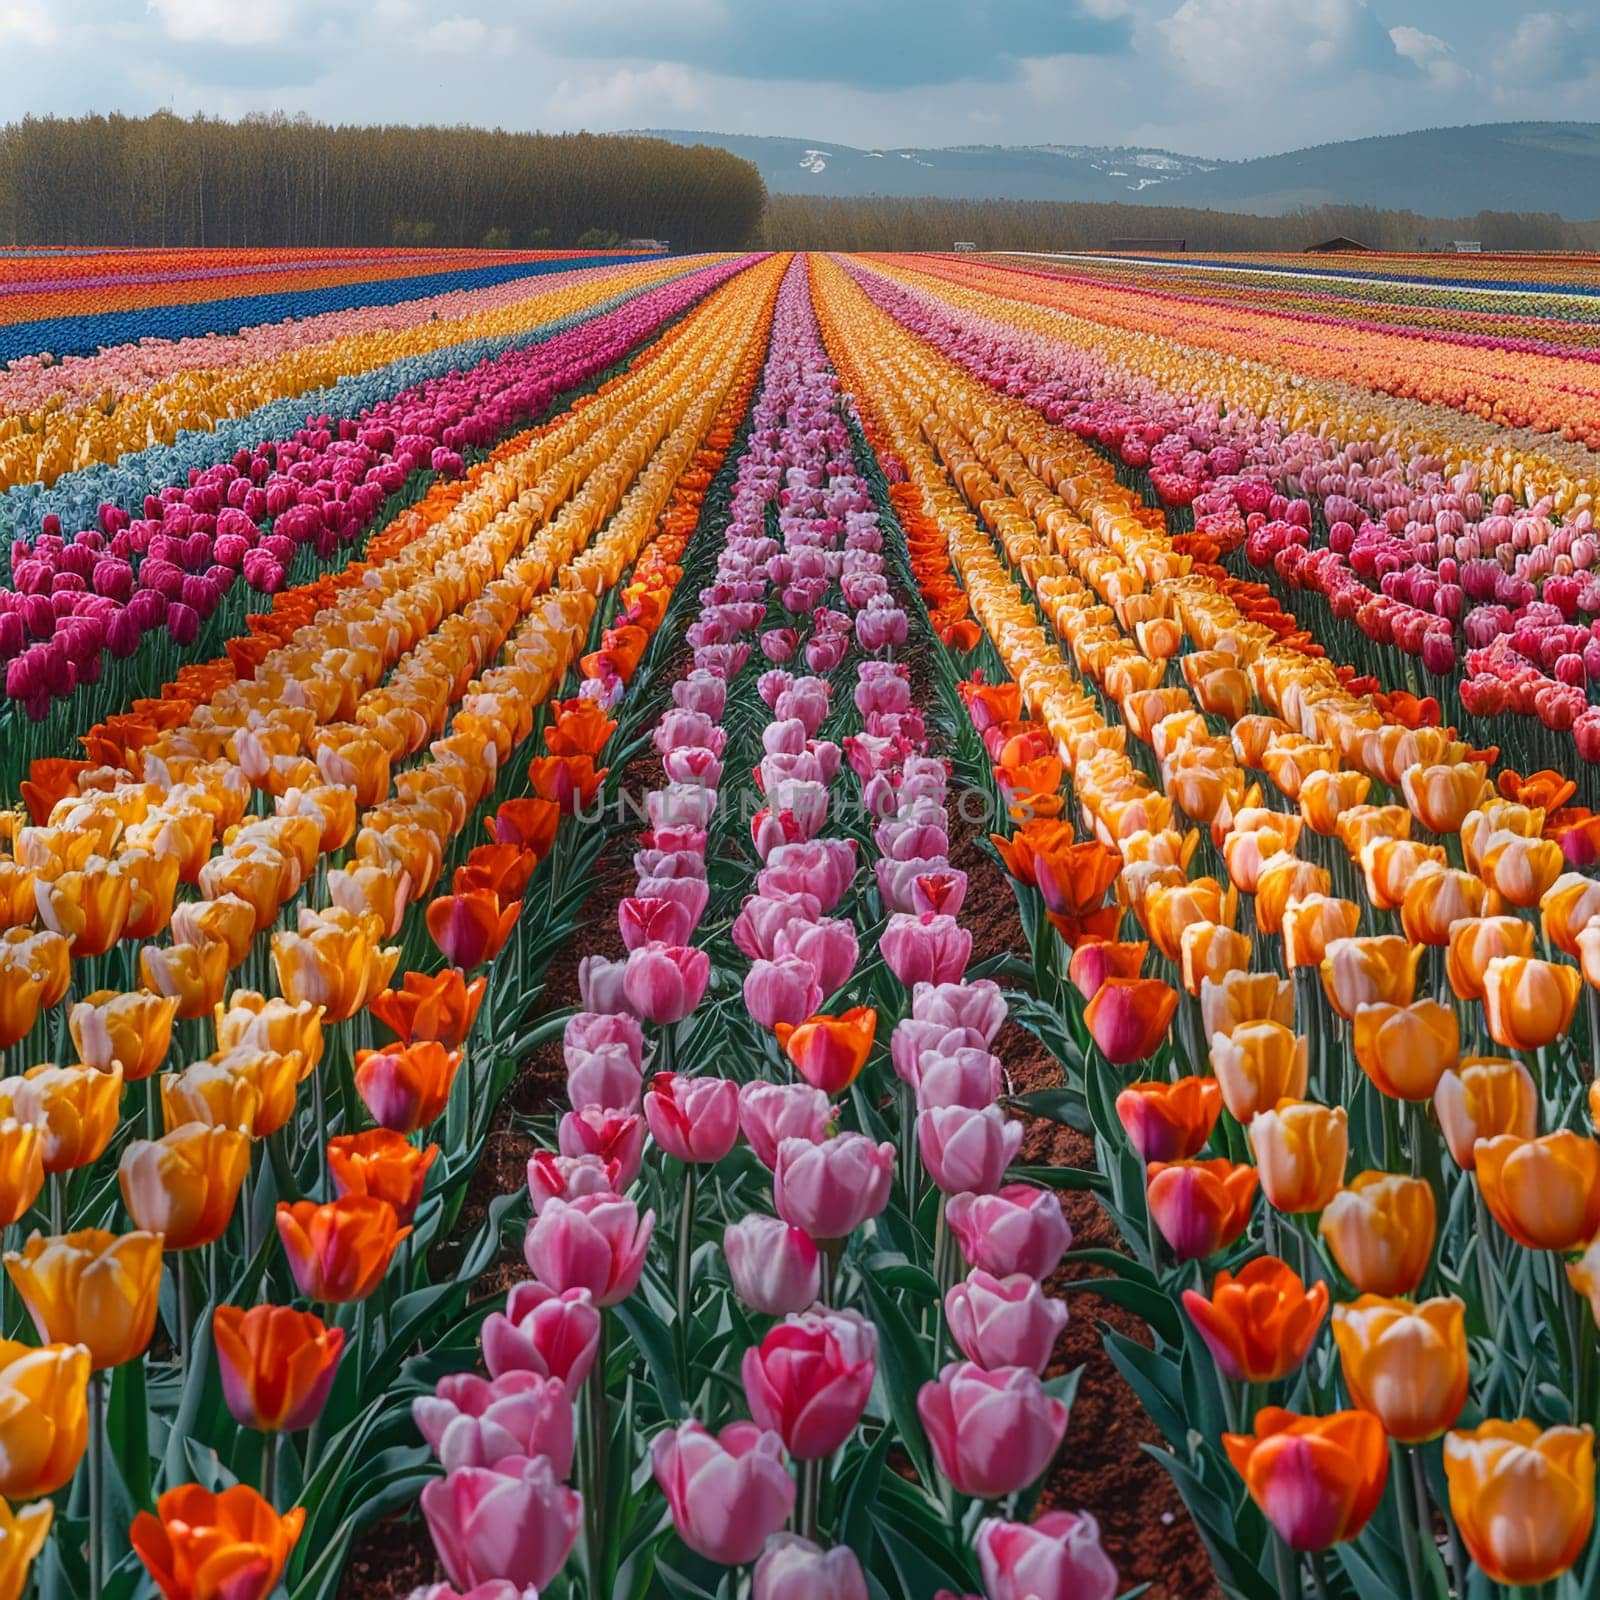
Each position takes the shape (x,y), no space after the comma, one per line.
(781,927)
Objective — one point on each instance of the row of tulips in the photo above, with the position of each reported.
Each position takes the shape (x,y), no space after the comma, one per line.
(206,1189)
(1517,1495)
(132,589)
(60,415)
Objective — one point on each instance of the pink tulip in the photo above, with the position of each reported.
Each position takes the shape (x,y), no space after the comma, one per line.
(607,1077)
(769,1113)
(1004,1322)
(471,1422)
(831,1188)
(1058,1557)
(805,700)
(600,984)
(1018,1229)
(784,990)
(690,893)
(794,1569)
(977,1005)
(616,1137)
(693,1119)
(494,1589)
(775,1268)
(555,1177)
(755,930)
(663,983)
(965,1149)
(555,1335)
(913,1042)
(597,1243)
(992,1433)
(828,944)
(513,1521)
(942,890)
(652,920)
(810,1378)
(593,1030)
(727,1492)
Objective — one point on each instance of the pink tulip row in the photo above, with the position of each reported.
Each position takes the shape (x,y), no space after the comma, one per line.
(101,590)
(33,382)
(1415,557)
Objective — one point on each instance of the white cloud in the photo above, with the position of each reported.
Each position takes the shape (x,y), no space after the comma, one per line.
(631,97)
(1258,46)
(455,35)
(227,22)
(1431,56)
(23,22)
(1549,47)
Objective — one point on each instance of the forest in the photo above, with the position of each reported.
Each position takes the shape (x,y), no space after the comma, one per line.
(163,180)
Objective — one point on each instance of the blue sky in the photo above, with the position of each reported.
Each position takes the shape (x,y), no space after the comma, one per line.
(1206,77)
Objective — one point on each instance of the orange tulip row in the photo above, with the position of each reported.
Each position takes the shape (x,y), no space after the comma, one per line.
(1055,512)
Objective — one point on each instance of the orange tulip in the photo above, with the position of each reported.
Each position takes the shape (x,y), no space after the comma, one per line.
(1246,851)
(1547,790)
(1074,878)
(1371,971)
(1301,1149)
(1238,997)
(441,1008)
(1021,850)
(471,928)
(1317,1480)
(1389,866)
(1584,1276)
(1208,952)
(1545,1191)
(1095,960)
(227,920)
(75,1110)
(44,1417)
(383,1164)
(1326,796)
(1436,899)
(1200,1206)
(131,1032)
(22,1536)
(1128,1018)
(1569,905)
(1481,1098)
(184,1185)
(22,996)
(1259,1324)
(1257,1065)
(89,908)
(1169,911)
(1529,1003)
(1291,759)
(1522,1499)
(1520,870)
(333,960)
(829,1052)
(529,824)
(50,779)
(91,1288)
(1441,796)
(1477,941)
(277,1365)
(274,1026)
(193,975)
(205,1546)
(1405,1049)
(1169,1121)
(502,869)
(340,1251)
(1360,825)
(571,781)
(406,1087)
(376,889)
(240,1088)
(1312,924)
(1406,1363)
(1380,1228)
(21,1168)
(1281,880)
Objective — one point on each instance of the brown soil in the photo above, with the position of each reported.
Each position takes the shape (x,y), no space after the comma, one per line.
(1105,1468)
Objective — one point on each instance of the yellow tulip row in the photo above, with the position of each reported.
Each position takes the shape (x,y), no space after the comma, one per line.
(72,433)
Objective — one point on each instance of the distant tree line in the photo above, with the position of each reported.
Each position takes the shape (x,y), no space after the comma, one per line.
(816,222)
(274,180)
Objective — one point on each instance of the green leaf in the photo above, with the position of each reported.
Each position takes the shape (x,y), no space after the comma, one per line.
(904,1366)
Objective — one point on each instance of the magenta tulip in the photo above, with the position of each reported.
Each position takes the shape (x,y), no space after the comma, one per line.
(810,1378)
(728,1492)
(693,1119)
(513,1521)
(652,919)
(1018,1229)
(831,1188)
(554,1335)
(1004,1322)
(992,1433)
(775,1269)
(469,1421)
(553,1177)
(597,1243)
(616,1137)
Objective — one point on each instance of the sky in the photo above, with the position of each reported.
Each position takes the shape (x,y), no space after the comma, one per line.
(1223,78)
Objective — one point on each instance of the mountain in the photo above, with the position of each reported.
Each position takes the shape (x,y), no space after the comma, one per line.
(1510,166)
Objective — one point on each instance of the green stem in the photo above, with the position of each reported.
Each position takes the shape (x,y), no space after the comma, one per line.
(1406,1512)
(683,1284)
(1283,1559)
(598,1421)
(97,1483)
